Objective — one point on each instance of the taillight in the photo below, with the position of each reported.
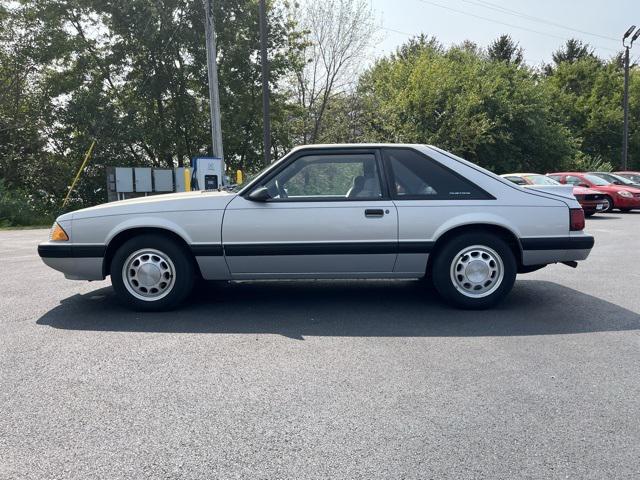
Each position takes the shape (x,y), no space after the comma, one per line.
(576,219)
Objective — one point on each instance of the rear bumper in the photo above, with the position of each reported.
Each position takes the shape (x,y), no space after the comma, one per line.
(77,262)
(543,250)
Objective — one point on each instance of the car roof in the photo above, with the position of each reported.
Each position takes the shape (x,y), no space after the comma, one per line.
(320,146)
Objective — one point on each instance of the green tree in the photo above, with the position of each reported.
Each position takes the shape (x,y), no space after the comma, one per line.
(572,51)
(493,113)
(504,49)
(132,75)
(587,97)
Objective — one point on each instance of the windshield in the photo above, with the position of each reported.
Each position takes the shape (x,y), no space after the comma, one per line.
(611,178)
(622,180)
(634,178)
(596,180)
(251,176)
(541,180)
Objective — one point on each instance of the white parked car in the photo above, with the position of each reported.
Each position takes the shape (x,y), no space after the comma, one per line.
(329,211)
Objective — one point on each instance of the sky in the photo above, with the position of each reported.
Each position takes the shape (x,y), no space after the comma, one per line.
(540,26)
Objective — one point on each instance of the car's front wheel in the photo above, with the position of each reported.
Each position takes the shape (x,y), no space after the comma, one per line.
(151,272)
(474,270)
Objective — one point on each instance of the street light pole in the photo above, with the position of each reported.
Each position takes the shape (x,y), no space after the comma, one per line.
(625,100)
(266,116)
(625,103)
(212,72)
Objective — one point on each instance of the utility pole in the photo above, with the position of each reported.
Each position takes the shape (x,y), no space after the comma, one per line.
(214,97)
(625,101)
(266,116)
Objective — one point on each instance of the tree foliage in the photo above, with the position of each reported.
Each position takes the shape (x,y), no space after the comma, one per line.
(338,35)
(493,113)
(504,49)
(132,75)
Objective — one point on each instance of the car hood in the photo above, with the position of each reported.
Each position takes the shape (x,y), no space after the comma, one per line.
(611,188)
(184,201)
(586,191)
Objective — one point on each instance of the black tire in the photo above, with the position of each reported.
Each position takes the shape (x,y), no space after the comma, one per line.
(180,281)
(444,271)
(590,214)
(609,204)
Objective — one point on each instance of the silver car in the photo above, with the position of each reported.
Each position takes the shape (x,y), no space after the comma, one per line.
(329,211)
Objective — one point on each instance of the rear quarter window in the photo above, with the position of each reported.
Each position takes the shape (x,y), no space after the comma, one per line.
(414,176)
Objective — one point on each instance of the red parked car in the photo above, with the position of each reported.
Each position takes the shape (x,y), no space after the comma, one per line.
(591,201)
(617,196)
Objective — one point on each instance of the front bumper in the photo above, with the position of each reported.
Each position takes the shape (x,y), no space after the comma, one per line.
(624,202)
(77,262)
(592,206)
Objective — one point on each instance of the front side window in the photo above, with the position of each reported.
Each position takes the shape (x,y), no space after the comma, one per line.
(571,180)
(418,177)
(329,177)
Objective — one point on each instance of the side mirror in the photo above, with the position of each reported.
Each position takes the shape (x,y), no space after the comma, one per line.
(260,194)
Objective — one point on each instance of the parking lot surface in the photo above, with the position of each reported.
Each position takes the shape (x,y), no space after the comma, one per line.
(324,379)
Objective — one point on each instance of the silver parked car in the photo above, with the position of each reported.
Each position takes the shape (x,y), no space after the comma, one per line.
(329,211)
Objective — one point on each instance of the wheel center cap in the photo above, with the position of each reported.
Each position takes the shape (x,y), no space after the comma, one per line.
(149,274)
(477,271)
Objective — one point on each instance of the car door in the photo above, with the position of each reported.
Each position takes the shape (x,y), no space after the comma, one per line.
(328,214)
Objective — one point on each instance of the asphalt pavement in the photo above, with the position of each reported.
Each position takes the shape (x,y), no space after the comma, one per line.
(324,379)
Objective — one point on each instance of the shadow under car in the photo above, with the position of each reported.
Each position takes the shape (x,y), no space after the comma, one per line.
(378,308)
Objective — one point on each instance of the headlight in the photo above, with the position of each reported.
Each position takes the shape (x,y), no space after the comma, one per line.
(625,194)
(57,234)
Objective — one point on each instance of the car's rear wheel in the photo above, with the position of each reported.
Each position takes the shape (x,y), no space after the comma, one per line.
(151,272)
(474,271)
(608,204)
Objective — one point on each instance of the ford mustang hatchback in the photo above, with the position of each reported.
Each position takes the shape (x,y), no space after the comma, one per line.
(329,211)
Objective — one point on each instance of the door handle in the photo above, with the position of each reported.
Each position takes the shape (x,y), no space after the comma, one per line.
(374,212)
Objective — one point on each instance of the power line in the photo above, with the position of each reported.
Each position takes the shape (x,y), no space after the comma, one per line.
(462,12)
(398,31)
(516,13)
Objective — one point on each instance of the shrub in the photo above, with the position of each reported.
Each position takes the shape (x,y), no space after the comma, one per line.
(17,208)
(587,163)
